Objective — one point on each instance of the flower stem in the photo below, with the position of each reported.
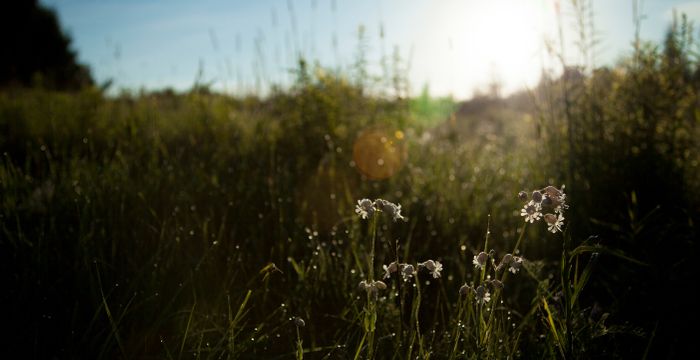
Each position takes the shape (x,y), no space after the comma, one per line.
(371,250)
(520,238)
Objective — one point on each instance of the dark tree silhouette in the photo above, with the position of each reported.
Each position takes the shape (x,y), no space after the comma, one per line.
(35,49)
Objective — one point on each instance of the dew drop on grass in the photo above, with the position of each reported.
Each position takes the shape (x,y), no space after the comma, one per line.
(463,247)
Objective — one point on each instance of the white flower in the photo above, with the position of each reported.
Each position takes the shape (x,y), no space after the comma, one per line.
(365,208)
(482,295)
(554,222)
(407,271)
(507,258)
(515,264)
(364,285)
(556,198)
(560,208)
(372,287)
(390,269)
(531,211)
(480,260)
(435,267)
(390,208)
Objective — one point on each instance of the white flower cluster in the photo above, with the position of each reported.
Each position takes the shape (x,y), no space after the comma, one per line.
(372,287)
(407,271)
(481,293)
(550,198)
(365,208)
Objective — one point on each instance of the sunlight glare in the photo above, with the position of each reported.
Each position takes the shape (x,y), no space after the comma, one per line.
(478,42)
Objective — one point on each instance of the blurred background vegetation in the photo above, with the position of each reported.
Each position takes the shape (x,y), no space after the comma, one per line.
(164,224)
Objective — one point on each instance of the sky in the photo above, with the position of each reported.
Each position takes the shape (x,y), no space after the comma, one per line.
(456,47)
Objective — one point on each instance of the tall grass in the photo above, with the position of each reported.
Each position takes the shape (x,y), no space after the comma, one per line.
(198,225)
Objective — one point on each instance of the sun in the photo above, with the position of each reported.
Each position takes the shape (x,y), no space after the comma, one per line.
(475,42)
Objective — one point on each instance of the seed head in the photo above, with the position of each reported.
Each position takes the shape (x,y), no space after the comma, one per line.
(536,196)
(522,195)
(299,322)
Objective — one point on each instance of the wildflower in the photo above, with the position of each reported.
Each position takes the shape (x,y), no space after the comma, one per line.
(554,193)
(515,264)
(480,260)
(537,196)
(365,208)
(364,285)
(522,195)
(554,222)
(390,269)
(482,294)
(557,198)
(435,267)
(465,289)
(531,211)
(507,258)
(407,271)
(299,322)
(390,208)
(560,208)
(372,287)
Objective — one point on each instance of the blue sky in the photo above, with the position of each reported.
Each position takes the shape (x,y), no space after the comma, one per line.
(455,46)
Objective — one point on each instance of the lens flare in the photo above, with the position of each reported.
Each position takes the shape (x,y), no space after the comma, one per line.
(379,154)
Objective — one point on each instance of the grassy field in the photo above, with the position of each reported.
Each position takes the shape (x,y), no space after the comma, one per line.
(197,225)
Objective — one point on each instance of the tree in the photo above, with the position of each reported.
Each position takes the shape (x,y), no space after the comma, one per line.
(36,51)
